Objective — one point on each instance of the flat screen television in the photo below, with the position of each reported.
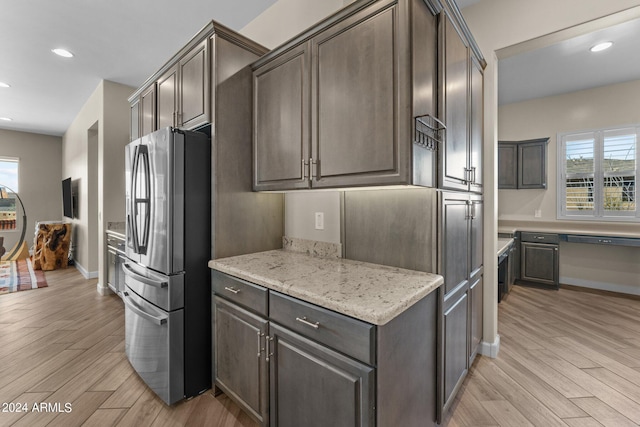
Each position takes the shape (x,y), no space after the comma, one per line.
(67,198)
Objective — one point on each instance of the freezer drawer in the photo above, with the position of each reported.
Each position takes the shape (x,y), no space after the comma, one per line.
(165,292)
(154,344)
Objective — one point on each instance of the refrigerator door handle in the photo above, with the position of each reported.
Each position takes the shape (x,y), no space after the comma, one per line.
(140,312)
(141,155)
(140,278)
(133,208)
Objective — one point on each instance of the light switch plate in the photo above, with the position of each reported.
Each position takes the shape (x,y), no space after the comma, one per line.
(538,213)
(319,220)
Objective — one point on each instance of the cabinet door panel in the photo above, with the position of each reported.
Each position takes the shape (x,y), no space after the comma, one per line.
(281,133)
(455,347)
(239,364)
(148,111)
(476,310)
(314,386)
(134,130)
(476,124)
(540,263)
(477,233)
(507,165)
(194,87)
(456,85)
(167,98)
(532,165)
(455,242)
(356,94)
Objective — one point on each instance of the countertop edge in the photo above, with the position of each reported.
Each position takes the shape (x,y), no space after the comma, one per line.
(377,317)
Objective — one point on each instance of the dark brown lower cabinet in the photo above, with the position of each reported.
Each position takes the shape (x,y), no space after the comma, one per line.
(539,264)
(314,386)
(456,322)
(285,372)
(240,369)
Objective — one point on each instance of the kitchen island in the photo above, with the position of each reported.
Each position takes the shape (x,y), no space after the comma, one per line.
(338,342)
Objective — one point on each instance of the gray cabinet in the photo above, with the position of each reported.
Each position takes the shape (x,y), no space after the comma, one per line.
(507,165)
(281,138)
(335,107)
(134,123)
(115,259)
(462,89)
(239,337)
(475,316)
(290,363)
(539,259)
(455,336)
(167,98)
(312,385)
(355,98)
(183,91)
(148,111)
(522,164)
(461,244)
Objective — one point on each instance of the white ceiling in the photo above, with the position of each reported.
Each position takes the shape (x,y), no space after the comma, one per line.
(124,41)
(569,66)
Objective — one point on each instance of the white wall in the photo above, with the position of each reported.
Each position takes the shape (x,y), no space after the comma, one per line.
(93,154)
(613,268)
(40,176)
(287,18)
(497,24)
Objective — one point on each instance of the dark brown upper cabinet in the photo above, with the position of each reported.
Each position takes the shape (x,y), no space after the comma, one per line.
(522,164)
(338,106)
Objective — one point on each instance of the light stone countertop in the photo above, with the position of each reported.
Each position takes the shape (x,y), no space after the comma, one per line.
(369,292)
(503,244)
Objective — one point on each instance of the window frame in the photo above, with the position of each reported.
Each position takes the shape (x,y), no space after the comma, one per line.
(599,213)
(12,192)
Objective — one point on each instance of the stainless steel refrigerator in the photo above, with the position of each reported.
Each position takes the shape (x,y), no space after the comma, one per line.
(168,244)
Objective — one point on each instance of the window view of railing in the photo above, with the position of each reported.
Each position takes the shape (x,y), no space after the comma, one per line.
(597,174)
(8,184)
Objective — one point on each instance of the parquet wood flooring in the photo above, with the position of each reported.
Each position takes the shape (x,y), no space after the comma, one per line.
(567,358)
(64,344)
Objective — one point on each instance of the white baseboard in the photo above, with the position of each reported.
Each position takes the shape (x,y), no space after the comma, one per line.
(613,287)
(103,290)
(490,349)
(85,273)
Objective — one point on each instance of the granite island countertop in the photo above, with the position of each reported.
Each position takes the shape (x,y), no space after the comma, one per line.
(369,292)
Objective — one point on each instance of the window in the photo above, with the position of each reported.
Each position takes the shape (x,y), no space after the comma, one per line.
(8,184)
(597,174)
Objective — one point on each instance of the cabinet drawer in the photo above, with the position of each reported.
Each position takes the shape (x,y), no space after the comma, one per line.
(342,333)
(539,237)
(237,290)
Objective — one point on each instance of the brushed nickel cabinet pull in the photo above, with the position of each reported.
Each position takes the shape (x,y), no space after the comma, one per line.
(303,320)
(232,290)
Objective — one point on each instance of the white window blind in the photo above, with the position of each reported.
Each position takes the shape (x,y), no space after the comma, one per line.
(597,173)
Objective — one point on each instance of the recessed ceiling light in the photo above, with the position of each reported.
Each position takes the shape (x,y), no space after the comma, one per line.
(601,46)
(62,52)
(6,119)
(3,84)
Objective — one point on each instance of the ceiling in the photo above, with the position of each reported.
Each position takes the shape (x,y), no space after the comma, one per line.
(569,65)
(124,41)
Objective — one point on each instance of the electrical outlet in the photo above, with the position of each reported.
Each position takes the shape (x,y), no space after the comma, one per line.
(319,220)
(538,213)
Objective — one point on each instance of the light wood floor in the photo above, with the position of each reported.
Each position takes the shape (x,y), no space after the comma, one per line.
(566,358)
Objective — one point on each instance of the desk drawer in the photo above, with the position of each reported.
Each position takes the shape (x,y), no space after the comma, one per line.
(526,236)
(337,331)
(246,294)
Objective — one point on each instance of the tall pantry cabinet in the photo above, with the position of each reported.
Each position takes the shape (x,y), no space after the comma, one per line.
(438,229)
